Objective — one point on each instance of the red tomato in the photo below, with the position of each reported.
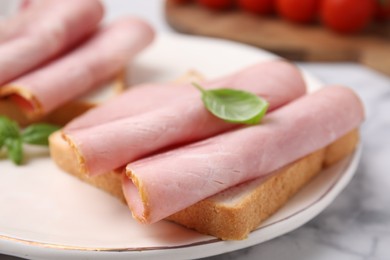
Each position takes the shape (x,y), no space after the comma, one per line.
(181,2)
(257,6)
(216,4)
(300,11)
(347,16)
(383,10)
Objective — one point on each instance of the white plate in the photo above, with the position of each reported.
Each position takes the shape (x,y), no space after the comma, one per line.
(47,214)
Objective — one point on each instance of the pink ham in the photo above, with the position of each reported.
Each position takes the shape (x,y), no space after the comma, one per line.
(147,97)
(43,31)
(169,182)
(134,101)
(97,60)
(20,22)
(181,120)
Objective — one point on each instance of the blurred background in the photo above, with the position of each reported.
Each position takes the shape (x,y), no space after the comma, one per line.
(304,30)
(301,30)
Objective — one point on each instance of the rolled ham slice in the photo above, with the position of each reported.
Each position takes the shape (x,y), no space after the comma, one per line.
(83,69)
(148,97)
(136,100)
(43,31)
(161,185)
(177,120)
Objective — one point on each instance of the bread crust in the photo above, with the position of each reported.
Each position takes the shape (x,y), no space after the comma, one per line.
(64,156)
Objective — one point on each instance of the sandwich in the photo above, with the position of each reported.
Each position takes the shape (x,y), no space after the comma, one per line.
(66,55)
(168,158)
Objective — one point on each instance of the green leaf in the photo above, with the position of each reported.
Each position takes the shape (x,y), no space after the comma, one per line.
(15,150)
(2,140)
(235,106)
(8,129)
(13,140)
(38,134)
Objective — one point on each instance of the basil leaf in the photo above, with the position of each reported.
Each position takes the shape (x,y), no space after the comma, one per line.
(38,134)
(8,129)
(2,138)
(13,140)
(15,150)
(235,106)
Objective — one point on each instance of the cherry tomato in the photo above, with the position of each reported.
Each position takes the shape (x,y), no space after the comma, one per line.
(181,2)
(257,6)
(216,4)
(347,16)
(300,11)
(383,10)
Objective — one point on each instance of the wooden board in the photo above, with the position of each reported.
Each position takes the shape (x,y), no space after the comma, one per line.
(292,41)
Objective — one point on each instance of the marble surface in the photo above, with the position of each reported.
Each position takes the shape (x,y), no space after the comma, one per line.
(357,224)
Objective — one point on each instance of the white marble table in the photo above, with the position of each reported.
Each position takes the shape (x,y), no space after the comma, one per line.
(357,224)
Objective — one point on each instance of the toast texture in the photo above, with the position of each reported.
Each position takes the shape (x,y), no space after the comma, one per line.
(232,214)
(63,155)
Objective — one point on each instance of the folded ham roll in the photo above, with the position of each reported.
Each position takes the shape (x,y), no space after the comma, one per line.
(147,97)
(180,118)
(43,31)
(161,185)
(66,78)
